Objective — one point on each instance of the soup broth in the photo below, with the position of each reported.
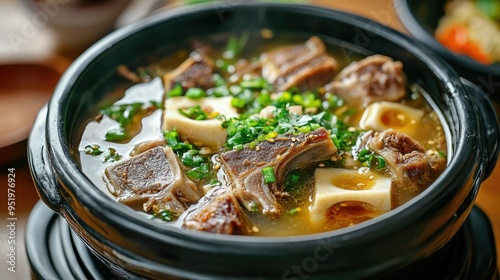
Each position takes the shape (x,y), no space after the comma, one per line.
(289,137)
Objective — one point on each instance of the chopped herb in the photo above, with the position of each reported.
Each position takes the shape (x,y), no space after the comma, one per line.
(258,83)
(253,207)
(157,104)
(194,113)
(343,136)
(219,80)
(200,172)
(198,165)
(219,91)
(295,211)
(174,141)
(165,215)
(371,159)
(192,158)
(175,91)
(123,114)
(116,134)
(364,155)
(246,129)
(291,182)
(111,155)
(195,93)
(381,161)
(268,174)
(441,154)
(93,150)
(238,103)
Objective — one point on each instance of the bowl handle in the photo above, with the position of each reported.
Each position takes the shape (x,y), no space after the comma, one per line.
(39,163)
(490,124)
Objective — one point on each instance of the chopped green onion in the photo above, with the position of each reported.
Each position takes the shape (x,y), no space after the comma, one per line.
(218,80)
(364,155)
(268,174)
(258,83)
(201,172)
(166,215)
(157,104)
(194,113)
(111,155)
(381,161)
(123,114)
(175,91)
(93,150)
(195,93)
(192,158)
(238,103)
(295,211)
(116,134)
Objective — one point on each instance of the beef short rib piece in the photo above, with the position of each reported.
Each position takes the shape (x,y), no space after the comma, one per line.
(375,78)
(305,66)
(285,153)
(153,178)
(196,71)
(413,169)
(217,212)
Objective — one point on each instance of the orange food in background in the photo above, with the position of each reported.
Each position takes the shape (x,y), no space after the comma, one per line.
(456,38)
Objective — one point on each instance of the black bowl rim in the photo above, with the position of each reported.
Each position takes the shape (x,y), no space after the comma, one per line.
(410,22)
(68,170)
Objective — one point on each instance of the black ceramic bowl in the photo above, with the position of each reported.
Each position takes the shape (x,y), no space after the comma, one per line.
(133,246)
(421,18)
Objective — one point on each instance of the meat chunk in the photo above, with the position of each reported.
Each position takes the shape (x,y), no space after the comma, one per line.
(375,78)
(153,178)
(314,74)
(305,66)
(197,71)
(144,146)
(247,70)
(413,168)
(218,212)
(285,153)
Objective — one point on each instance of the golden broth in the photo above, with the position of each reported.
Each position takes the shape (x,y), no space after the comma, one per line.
(295,218)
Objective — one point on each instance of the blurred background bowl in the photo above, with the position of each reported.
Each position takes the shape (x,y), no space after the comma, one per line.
(24,88)
(77,24)
(421,19)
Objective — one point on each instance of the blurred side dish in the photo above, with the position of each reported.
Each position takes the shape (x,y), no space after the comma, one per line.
(472,28)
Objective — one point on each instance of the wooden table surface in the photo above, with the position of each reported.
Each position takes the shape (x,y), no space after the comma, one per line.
(380,10)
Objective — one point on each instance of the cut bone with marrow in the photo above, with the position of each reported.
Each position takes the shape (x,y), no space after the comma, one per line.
(375,78)
(305,66)
(217,212)
(195,72)
(199,132)
(412,167)
(285,153)
(155,179)
(383,115)
(335,186)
